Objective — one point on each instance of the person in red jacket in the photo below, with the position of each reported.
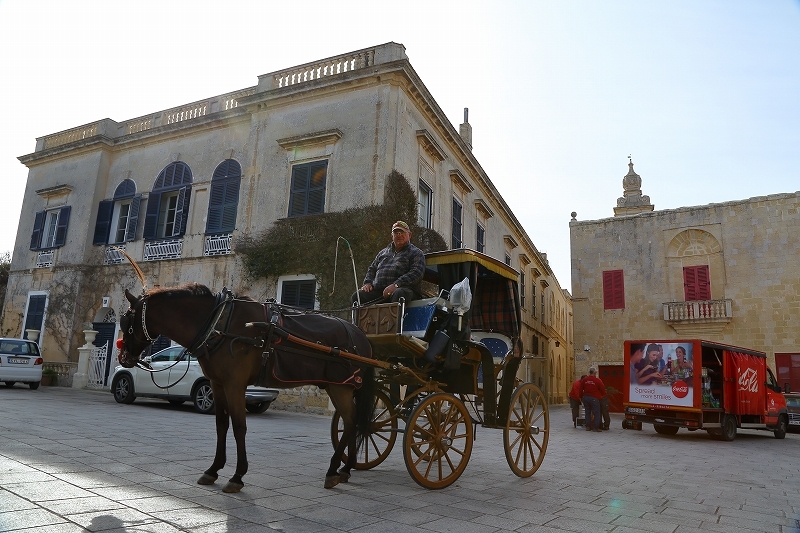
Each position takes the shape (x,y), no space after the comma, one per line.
(575,400)
(592,389)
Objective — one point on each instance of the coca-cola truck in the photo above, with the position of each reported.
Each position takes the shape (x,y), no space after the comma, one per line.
(697,384)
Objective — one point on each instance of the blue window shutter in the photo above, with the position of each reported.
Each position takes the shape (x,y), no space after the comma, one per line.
(299,191)
(35,316)
(151,216)
(61,229)
(101,227)
(307,195)
(36,236)
(230,205)
(181,212)
(133,218)
(126,189)
(299,293)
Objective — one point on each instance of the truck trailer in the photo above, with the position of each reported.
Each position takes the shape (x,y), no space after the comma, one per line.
(697,384)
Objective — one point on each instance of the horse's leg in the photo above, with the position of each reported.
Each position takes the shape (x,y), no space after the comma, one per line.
(342,399)
(237,411)
(221,416)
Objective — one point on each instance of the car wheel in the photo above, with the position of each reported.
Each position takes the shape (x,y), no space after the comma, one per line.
(780,433)
(123,389)
(10,383)
(665,430)
(728,428)
(259,407)
(35,385)
(203,398)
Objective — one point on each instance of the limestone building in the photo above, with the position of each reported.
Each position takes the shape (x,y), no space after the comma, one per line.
(176,187)
(723,272)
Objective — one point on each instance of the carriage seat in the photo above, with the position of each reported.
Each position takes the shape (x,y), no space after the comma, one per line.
(499,346)
(419,314)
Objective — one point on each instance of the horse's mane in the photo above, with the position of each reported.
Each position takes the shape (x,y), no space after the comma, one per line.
(187,289)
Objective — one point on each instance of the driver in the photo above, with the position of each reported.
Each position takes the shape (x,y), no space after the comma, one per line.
(396,271)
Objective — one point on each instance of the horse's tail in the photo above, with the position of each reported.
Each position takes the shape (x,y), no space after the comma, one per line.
(365,405)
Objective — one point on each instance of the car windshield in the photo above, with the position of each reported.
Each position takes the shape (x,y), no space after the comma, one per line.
(18,347)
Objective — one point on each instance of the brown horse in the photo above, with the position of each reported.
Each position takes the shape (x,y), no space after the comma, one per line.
(214,328)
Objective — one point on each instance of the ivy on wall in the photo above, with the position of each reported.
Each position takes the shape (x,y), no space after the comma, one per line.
(307,245)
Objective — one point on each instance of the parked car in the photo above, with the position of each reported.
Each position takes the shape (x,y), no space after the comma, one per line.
(178,382)
(793,407)
(20,360)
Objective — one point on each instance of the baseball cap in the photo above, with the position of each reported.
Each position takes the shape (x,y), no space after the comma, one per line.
(400,225)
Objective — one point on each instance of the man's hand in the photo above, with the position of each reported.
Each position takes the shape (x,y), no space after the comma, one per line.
(367,287)
(387,292)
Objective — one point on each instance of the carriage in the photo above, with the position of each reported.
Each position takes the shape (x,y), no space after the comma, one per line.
(431,370)
(447,364)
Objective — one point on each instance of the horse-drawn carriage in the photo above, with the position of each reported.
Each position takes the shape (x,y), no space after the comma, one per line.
(429,369)
(450,362)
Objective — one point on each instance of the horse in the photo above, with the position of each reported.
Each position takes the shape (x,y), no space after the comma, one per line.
(214,328)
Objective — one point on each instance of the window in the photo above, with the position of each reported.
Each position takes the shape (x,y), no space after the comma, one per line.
(223,201)
(507,260)
(696,283)
(117,219)
(522,289)
(613,290)
(542,305)
(424,201)
(481,235)
(457,214)
(298,291)
(307,194)
(34,314)
(168,205)
(50,228)
(533,298)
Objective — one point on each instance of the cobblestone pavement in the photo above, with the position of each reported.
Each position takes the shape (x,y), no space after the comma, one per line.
(75,461)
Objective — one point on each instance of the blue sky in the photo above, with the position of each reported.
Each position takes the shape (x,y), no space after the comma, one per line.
(703,95)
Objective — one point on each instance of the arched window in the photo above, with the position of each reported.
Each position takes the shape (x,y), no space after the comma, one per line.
(168,205)
(223,201)
(117,219)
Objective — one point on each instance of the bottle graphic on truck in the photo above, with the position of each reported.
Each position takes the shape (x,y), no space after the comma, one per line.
(702,385)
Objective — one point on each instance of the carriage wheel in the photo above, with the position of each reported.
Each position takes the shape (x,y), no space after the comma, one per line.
(438,441)
(382,436)
(527,430)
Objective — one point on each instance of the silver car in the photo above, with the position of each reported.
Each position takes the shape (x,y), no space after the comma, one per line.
(20,361)
(178,378)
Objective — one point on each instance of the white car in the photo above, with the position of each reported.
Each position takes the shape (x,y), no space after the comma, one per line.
(20,360)
(178,380)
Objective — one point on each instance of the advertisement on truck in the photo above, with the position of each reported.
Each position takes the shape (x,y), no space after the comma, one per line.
(662,374)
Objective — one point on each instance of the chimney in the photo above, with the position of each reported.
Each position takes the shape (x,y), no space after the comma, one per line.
(465,130)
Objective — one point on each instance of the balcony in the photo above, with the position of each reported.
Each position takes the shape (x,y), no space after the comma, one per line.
(698,318)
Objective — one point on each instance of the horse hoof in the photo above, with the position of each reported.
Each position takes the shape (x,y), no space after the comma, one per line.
(231,487)
(207,479)
(332,481)
(344,477)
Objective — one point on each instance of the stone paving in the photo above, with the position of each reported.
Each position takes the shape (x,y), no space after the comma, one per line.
(76,461)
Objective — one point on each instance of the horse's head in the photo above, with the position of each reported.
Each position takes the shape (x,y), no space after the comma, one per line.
(134,338)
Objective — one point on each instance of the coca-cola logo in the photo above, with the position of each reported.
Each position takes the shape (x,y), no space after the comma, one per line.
(748,380)
(680,389)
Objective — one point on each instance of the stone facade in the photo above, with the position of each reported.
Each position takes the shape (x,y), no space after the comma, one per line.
(361,115)
(746,247)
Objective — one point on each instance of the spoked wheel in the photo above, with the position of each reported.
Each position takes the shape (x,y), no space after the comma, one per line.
(382,436)
(527,430)
(438,441)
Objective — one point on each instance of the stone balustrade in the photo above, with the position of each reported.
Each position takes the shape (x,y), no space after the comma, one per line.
(326,67)
(109,128)
(699,311)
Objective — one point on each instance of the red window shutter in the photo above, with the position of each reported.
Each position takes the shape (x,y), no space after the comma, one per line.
(696,283)
(613,290)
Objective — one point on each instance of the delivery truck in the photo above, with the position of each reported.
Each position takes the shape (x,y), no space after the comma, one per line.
(697,384)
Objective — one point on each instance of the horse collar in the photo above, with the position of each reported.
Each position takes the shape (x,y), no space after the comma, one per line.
(144,325)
